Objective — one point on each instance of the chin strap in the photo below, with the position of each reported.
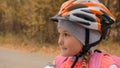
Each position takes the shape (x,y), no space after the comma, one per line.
(86,47)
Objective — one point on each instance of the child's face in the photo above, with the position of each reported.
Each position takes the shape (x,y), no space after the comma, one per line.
(69,45)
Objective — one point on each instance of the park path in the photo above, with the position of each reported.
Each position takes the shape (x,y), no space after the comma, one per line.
(16,59)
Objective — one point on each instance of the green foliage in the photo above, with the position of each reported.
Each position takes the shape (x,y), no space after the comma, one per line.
(30,18)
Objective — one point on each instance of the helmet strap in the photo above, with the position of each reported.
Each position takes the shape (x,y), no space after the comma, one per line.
(84,49)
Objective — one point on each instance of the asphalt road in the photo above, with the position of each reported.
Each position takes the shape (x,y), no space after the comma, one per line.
(17,59)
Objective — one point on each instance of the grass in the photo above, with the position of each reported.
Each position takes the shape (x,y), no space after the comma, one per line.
(25,45)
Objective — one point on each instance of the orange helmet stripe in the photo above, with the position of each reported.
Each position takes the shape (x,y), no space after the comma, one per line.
(65,6)
(99,24)
(96,12)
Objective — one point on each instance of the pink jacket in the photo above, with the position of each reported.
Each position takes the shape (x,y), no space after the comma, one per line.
(97,60)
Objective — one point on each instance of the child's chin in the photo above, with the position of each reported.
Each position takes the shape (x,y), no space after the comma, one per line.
(65,55)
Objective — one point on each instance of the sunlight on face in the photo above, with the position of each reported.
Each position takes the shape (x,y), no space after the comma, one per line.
(69,45)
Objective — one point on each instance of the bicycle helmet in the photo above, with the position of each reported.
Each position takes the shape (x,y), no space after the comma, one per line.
(88,13)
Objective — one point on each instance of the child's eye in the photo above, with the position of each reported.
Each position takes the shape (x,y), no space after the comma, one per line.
(66,34)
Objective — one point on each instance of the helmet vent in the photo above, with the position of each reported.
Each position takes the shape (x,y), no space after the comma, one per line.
(85,17)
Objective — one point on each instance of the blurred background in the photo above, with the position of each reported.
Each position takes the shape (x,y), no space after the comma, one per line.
(25,25)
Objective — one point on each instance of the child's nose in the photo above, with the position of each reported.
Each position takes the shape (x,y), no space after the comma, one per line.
(60,41)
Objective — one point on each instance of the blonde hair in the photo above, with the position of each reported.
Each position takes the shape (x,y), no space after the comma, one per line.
(86,58)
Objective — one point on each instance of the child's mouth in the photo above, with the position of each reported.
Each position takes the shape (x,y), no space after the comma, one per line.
(63,48)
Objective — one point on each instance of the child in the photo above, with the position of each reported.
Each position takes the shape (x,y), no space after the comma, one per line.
(82,24)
